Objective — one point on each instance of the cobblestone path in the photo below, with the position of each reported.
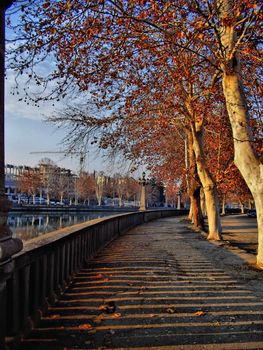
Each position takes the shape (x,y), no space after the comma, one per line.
(159,286)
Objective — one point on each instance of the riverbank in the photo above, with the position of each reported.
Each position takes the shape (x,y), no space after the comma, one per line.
(71,208)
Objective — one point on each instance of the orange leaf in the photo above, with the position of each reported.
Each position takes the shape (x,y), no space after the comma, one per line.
(199,313)
(171,310)
(85,326)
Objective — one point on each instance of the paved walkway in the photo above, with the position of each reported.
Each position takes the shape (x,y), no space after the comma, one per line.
(161,286)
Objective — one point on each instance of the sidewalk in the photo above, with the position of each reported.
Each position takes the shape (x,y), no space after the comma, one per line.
(161,286)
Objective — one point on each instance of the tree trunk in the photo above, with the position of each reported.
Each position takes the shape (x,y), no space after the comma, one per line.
(242,207)
(246,160)
(210,192)
(258,198)
(194,185)
(190,214)
(202,202)
(196,214)
(223,211)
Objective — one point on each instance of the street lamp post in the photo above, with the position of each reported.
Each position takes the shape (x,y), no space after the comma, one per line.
(143,182)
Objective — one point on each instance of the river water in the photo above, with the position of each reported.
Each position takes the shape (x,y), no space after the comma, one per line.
(27,225)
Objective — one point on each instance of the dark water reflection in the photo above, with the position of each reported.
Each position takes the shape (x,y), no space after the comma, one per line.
(28,225)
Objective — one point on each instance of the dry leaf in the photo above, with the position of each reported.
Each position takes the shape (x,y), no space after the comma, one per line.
(171,310)
(102,307)
(116,315)
(199,313)
(109,308)
(85,326)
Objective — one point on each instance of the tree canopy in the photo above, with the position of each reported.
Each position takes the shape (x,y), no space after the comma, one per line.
(157,70)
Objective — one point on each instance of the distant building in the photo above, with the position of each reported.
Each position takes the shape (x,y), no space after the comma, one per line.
(12,173)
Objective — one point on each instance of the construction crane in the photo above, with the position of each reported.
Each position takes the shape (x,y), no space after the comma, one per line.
(82,156)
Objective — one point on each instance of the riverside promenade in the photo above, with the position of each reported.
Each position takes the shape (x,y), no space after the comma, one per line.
(160,286)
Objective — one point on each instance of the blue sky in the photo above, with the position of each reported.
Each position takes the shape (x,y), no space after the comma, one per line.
(26,131)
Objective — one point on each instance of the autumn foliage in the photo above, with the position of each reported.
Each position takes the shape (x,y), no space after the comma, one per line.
(176,85)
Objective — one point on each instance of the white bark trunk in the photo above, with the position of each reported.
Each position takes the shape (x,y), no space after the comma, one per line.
(210,192)
(202,202)
(258,197)
(242,207)
(190,215)
(245,159)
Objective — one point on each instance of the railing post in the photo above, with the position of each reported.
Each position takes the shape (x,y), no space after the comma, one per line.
(8,245)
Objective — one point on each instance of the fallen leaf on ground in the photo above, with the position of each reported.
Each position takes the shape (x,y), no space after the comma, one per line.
(116,315)
(85,326)
(171,310)
(109,308)
(199,313)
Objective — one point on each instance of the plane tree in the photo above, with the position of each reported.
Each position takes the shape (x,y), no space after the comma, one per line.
(29,183)
(99,45)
